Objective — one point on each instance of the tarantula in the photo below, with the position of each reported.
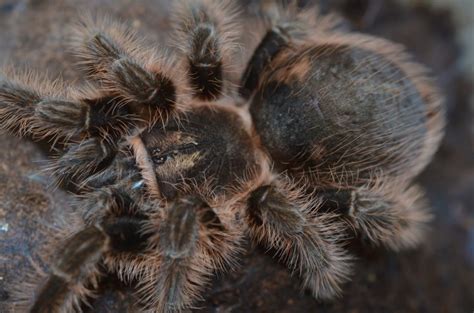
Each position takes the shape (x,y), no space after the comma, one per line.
(175,166)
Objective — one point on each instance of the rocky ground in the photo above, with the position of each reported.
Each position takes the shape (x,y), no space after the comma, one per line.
(438,277)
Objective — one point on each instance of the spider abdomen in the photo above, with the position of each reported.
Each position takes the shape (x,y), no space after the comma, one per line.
(346,108)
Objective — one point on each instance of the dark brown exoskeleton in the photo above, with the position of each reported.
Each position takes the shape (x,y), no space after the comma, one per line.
(174,168)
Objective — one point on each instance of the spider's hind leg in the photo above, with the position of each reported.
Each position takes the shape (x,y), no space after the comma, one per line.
(286,24)
(283,218)
(384,214)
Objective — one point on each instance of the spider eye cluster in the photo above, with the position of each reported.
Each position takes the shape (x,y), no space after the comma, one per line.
(158,158)
(161,156)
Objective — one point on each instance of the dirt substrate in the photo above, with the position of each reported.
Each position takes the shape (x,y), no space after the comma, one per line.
(437,277)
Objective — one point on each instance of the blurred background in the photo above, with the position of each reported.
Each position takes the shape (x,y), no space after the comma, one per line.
(438,277)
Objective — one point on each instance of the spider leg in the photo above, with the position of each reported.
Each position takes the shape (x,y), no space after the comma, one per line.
(286,23)
(82,160)
(74,270)
(193,241)
(273,41)
(111,55)
(75,274)
(113,226)
(383,214)
(281,217)
(206,35)
(31,106)
(281,20)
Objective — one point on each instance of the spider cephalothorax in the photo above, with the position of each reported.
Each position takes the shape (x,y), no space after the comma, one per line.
(174,168)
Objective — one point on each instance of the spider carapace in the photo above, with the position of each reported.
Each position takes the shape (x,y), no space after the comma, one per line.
(175,165)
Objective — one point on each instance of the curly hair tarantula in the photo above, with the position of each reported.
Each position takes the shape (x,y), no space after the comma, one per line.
(175,166)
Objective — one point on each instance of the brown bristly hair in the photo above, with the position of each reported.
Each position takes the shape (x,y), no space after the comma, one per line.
(208,32)
(392,214)
(76,284)
(310,243)
(114,56)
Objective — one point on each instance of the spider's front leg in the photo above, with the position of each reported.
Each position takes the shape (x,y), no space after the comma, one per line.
(74,269)
(90,125)
(383,214)
(283,218)
(147,82)
(74,276)
(32,106)
(113,224)
(193,240)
